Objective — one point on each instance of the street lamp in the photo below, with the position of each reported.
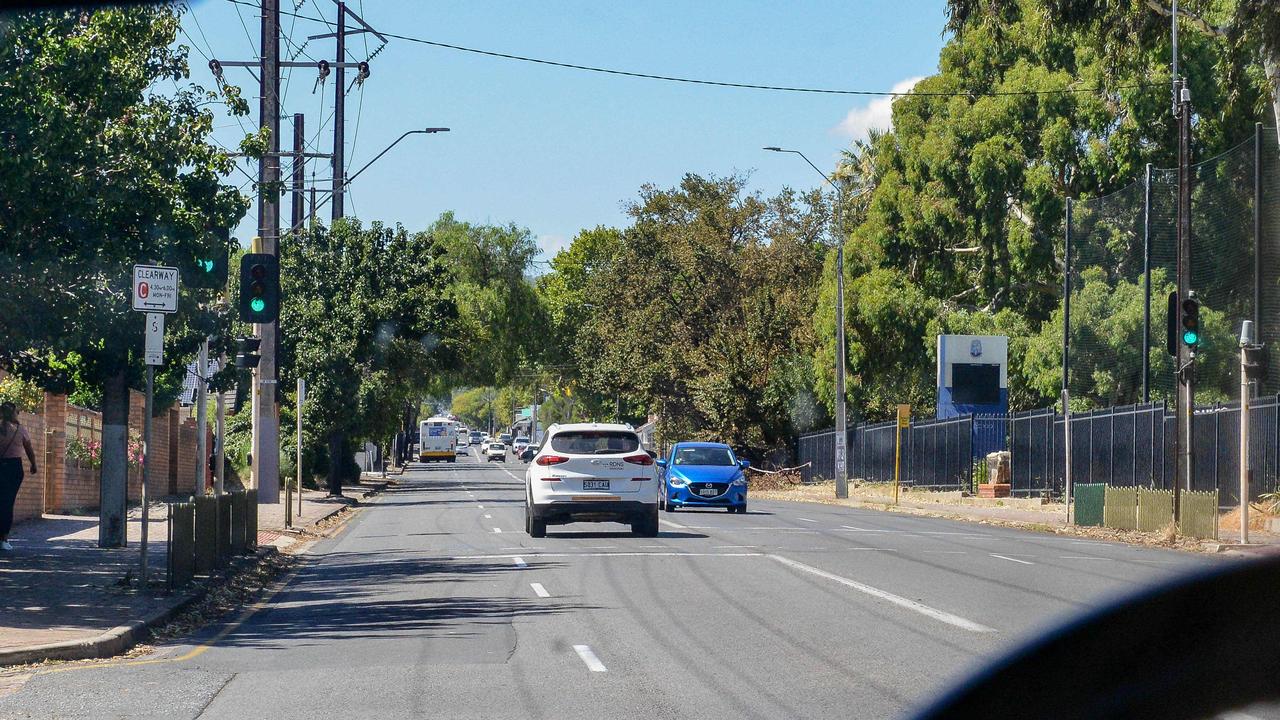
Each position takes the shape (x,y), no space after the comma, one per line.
(841,469)
(423,131)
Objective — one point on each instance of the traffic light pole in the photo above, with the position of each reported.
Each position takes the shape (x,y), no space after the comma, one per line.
(266,420)
(202,416)
(1184,463)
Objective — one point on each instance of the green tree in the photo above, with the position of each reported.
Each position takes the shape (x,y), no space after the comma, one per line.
(500,322)
(366,324)
(702,315)
(101,171)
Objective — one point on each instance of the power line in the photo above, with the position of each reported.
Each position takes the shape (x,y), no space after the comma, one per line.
(748,86)
(719,83)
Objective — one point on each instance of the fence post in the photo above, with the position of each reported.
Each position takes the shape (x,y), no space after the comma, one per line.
(1146,287)
(1066,437)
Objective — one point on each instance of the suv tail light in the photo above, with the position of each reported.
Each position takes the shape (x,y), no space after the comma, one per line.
(552,460)
(639,459)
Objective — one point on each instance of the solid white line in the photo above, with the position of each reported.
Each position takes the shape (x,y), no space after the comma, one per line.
(668,523)
(588,657)
(1003,557)
(856,529)
(497,530)
(539,590)
(480,506)
(609,554)
(898,600)
(806,520)
(519,561)
(726,547)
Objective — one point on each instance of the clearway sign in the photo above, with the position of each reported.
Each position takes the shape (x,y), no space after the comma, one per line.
(155,288)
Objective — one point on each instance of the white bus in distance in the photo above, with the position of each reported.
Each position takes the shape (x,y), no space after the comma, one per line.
(437,439)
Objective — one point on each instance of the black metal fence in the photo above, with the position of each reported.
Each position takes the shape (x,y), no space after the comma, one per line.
(1130,445)
(935,454)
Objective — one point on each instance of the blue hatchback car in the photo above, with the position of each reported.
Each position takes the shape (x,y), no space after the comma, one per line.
(703,474)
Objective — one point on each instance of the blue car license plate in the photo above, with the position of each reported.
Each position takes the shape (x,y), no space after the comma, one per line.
(595,484)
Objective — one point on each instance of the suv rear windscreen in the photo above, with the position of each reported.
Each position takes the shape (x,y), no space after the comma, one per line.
(595,442)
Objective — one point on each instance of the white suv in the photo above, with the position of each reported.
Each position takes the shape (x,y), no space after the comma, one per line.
(591,472)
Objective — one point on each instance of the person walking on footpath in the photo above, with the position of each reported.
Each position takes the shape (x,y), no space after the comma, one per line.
(13,443)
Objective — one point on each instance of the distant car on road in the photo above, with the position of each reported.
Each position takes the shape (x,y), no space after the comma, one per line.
(505,437)
(703,474)
(495,451)
(527,453)
(519,444)
(591,472)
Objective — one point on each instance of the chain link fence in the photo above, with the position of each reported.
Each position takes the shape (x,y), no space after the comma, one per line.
(1123,265)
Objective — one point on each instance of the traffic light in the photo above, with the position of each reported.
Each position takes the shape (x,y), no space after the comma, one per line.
(210,270)
(259,288)
(1191,323)
(247,352)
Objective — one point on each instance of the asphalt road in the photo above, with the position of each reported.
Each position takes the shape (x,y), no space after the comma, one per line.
(433,602)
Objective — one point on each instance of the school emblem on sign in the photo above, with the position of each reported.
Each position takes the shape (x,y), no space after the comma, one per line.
(975,348)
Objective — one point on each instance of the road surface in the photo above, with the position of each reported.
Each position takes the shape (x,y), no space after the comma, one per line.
(433,602)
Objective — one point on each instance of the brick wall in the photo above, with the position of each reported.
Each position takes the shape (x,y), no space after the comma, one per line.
(63,484)
(30,502)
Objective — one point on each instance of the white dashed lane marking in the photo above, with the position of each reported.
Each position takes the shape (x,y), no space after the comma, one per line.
(887,596)
(1005,557)
(588,657)
(519,561)
(539,590)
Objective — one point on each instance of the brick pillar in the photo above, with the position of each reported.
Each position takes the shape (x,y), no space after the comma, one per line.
(171,448)
(55,457)
(187,456)
(137,408)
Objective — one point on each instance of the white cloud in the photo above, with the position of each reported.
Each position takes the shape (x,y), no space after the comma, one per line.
(877,114)
(549,245)
(552,244)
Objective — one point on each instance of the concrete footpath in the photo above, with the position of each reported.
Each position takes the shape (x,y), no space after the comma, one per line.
(63,597)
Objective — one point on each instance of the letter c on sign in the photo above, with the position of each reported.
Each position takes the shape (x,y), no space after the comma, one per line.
(143,289)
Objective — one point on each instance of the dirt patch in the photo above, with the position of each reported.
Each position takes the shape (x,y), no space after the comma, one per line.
(1259,519)
(760,480)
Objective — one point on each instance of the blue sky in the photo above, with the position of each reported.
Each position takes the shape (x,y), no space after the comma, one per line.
(559,150)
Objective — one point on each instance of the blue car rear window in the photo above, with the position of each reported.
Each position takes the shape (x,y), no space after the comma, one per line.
(703,456)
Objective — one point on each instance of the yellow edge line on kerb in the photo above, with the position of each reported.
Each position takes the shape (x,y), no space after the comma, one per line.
(200,649)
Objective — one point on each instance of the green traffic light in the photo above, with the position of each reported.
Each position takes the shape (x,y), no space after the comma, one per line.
(1190,337)
(205,265)
(257,304)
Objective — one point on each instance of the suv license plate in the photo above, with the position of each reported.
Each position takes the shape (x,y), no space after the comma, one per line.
(595,484)
(708,492)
